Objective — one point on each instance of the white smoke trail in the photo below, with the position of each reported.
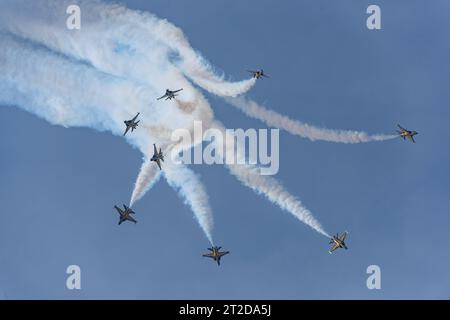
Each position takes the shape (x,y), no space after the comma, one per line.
(191,62)
(192,191)
(139,48)
(148,176)
(250,176)
(140,37)
(275,192)
(113,68)
(57,84)
(295,127)
(62,92)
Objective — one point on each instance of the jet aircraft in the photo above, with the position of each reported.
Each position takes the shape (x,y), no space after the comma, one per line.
(169,95)
(157,156)
(131,124)
(125,214)
(338,241)
(257,74)
(216,254)
(404,133)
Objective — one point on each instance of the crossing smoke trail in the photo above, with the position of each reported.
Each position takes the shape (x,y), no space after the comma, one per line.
(111,50)
(40,78)
(141,37)
(295,127)
(78,79)
(148,174)
(113,68)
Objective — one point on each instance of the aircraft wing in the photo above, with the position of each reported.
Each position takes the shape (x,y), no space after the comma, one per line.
(411,138)
(162,97)
(159,163)
(135,117)
(155,151)
(118,210)
(334,247)
(126,130)
(177,90)
(130,218)
(343,236)
(223,253)
(208,255)
(401,128)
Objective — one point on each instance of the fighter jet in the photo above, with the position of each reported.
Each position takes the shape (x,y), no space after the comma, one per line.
(338,241)
(125,214)
(157,156)
(131,124)
(404,133)
(257,74)
(169,95)
(216,254)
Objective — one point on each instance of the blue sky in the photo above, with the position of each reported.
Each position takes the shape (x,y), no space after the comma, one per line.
(58,186)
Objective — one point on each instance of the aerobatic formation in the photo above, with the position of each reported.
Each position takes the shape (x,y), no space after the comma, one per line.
(116,68)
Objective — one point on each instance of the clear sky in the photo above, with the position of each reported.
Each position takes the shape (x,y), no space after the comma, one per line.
(58,186)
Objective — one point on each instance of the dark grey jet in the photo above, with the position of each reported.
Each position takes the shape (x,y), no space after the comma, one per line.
(125,214)
(257,74)
(169,95)
(338,241)
(404,133)
(216,254)
(157,156)
(131,124)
